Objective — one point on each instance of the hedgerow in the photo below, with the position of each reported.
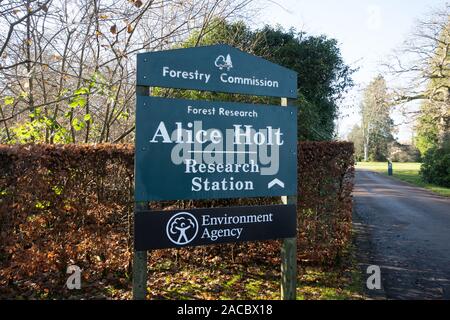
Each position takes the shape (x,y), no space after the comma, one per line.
(73,204)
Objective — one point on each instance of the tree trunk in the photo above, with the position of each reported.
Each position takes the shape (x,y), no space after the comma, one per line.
(443,132)
(366,152)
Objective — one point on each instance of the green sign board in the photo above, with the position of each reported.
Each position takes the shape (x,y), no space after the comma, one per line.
(193,149)
(215,68)
(189,149)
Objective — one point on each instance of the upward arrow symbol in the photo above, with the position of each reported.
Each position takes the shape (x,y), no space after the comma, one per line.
(274,182)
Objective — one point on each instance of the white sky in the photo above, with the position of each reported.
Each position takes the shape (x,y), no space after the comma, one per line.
(367,31)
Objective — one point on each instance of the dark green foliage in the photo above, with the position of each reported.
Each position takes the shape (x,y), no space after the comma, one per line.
(323,77)
(376,124)
(436,166)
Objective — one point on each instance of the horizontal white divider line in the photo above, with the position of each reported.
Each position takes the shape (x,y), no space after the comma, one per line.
(253,152)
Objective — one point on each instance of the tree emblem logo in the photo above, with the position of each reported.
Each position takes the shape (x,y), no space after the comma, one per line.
(182,228)
(222,62)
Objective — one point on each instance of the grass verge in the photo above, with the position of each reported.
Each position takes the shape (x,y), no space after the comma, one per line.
(227,281)
(408,172)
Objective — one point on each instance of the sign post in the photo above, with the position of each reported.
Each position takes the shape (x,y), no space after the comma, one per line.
(289,250)
(139,257)
(193,149)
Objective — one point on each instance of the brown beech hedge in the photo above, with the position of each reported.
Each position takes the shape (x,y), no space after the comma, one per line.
(73,204)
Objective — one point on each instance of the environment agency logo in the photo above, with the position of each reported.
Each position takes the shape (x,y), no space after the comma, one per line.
(182,228)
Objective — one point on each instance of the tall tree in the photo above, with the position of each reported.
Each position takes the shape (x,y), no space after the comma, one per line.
(433,123)
(356,136)
(323,77)
(423,65)
(376,123)
(427,129)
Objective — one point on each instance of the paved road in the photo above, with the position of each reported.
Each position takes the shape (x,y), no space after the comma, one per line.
(406,231)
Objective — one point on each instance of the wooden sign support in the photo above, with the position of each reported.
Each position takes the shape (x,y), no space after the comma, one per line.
(140,257)
(288,250)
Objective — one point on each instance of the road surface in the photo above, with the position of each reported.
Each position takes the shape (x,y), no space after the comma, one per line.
(406,231)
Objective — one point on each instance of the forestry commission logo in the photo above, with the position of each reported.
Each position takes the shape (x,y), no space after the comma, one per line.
(182,228)
(222,62)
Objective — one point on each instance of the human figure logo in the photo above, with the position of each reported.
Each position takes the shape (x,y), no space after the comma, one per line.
(182,228)
(222,62)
